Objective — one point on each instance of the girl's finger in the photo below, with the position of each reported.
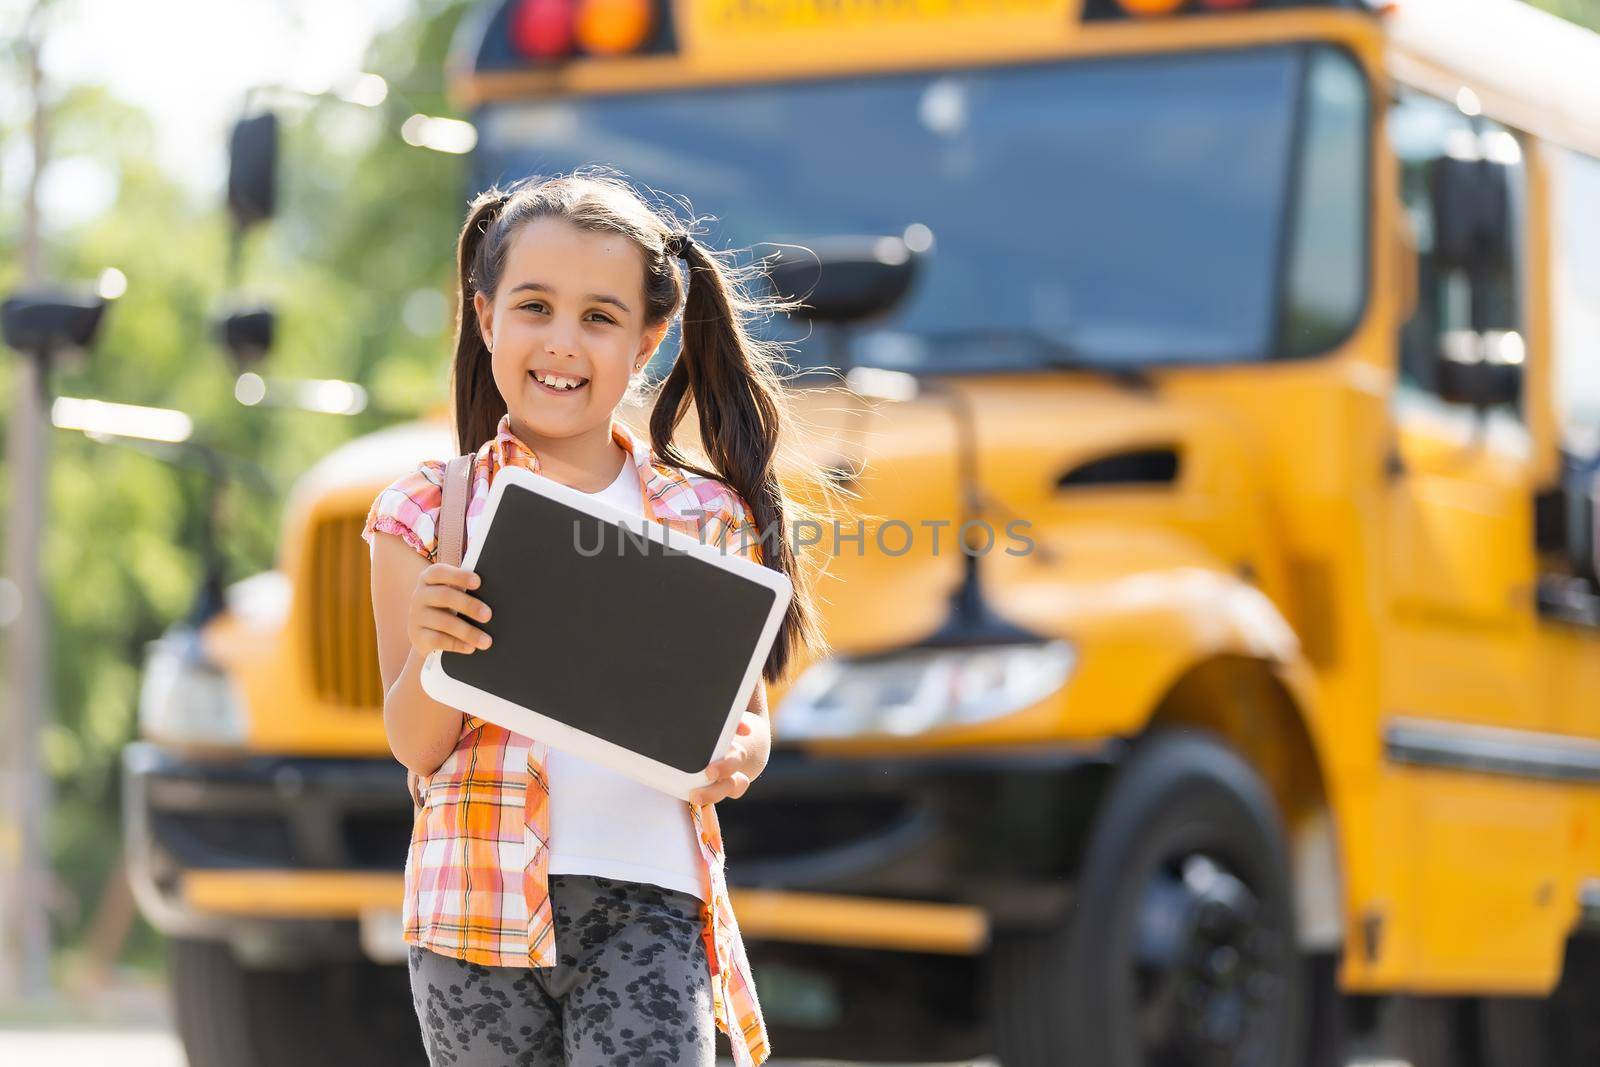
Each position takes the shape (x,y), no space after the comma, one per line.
(445,643)
(455,626)
(460,629)
(710,795)
(723,788)
(444,596)
(711,789)
(444,574)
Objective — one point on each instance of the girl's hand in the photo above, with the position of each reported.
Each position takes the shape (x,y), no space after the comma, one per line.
(739,766)
(432,623)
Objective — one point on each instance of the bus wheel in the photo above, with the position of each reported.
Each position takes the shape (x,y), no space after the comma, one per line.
(1561,1030)
(228,1015)
(1179,946)
(1431,1031)
(222,1010)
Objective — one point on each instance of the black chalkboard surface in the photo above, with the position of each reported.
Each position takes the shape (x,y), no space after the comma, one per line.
(631,644)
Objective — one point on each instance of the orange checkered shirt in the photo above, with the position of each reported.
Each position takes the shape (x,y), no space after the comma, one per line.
(476,871)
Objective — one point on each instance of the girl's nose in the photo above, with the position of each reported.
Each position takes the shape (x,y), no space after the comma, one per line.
(560,343)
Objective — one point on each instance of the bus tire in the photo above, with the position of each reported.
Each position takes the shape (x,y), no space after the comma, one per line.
(1329,1013)
(1432,1031)
(1515,1030)
(1182,917)
(228,1015)
(1561,1030)
(210,1004)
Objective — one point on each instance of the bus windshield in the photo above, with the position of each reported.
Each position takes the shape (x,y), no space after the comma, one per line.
(1131,208)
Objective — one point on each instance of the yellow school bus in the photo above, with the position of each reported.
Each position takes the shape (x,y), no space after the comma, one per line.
(1253,345)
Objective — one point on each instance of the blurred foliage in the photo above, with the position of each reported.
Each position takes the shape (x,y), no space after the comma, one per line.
(359,264)
(1583,12)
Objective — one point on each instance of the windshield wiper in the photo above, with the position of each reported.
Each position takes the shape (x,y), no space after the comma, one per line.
(1049,351)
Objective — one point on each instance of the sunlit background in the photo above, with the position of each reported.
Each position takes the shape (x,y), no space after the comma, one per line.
(225,367)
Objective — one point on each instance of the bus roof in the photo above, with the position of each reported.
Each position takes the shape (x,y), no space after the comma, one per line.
(1530,69)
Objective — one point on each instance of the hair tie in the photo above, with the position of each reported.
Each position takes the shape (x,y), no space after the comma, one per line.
(490,217)
(676,244)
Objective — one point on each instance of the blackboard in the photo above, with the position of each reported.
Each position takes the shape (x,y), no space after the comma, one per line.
(617,638)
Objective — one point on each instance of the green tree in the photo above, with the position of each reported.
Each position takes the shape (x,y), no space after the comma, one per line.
(1583,12)
(357,264)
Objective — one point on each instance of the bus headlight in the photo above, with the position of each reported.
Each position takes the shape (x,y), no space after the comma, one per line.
(183,697)
(912,692)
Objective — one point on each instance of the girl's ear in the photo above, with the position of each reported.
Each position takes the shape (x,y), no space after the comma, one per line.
(651,342)
(485,309)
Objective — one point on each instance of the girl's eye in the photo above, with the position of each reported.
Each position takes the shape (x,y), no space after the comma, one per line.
(535,303)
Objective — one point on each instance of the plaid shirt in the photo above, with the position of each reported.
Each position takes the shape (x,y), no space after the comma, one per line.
(476,872)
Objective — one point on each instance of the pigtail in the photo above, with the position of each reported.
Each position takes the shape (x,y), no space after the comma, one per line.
(478,403)
(730,377)
(735,387)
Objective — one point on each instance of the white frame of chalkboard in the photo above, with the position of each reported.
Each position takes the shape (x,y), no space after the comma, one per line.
(523,720)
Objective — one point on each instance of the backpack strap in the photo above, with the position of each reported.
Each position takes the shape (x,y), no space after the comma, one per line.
(452,536)
(453,510)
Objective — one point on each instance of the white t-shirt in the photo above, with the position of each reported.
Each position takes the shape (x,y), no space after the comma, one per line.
(606,824)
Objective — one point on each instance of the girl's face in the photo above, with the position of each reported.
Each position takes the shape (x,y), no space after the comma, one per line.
(570,310)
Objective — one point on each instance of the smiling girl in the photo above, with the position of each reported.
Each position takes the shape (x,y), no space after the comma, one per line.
(558,912)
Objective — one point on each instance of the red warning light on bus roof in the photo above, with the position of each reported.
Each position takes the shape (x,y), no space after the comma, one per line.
(542,29)
(548,29)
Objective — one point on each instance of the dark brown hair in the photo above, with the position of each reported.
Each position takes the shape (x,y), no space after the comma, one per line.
(730,377)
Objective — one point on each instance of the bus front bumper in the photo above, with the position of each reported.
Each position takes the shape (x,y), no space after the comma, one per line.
(286,857)
(993,831)
(295,857)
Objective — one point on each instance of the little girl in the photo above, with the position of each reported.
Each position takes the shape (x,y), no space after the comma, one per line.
(556,911)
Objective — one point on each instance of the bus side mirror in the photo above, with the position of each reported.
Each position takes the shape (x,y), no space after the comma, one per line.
(1405,255)
(1472,235)
(844,278)
(1480,369)
(1581,482)
(1593,499)
(1471,216)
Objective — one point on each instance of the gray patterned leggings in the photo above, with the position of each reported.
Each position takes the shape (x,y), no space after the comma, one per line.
(631,988)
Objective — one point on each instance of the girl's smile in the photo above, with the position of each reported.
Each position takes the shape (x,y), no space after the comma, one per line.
(570,383)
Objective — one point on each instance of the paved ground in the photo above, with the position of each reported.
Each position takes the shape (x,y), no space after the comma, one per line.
(129,1025)
(157,1048)
(122,1048)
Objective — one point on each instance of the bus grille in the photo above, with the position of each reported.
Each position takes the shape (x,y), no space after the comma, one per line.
(344,644)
